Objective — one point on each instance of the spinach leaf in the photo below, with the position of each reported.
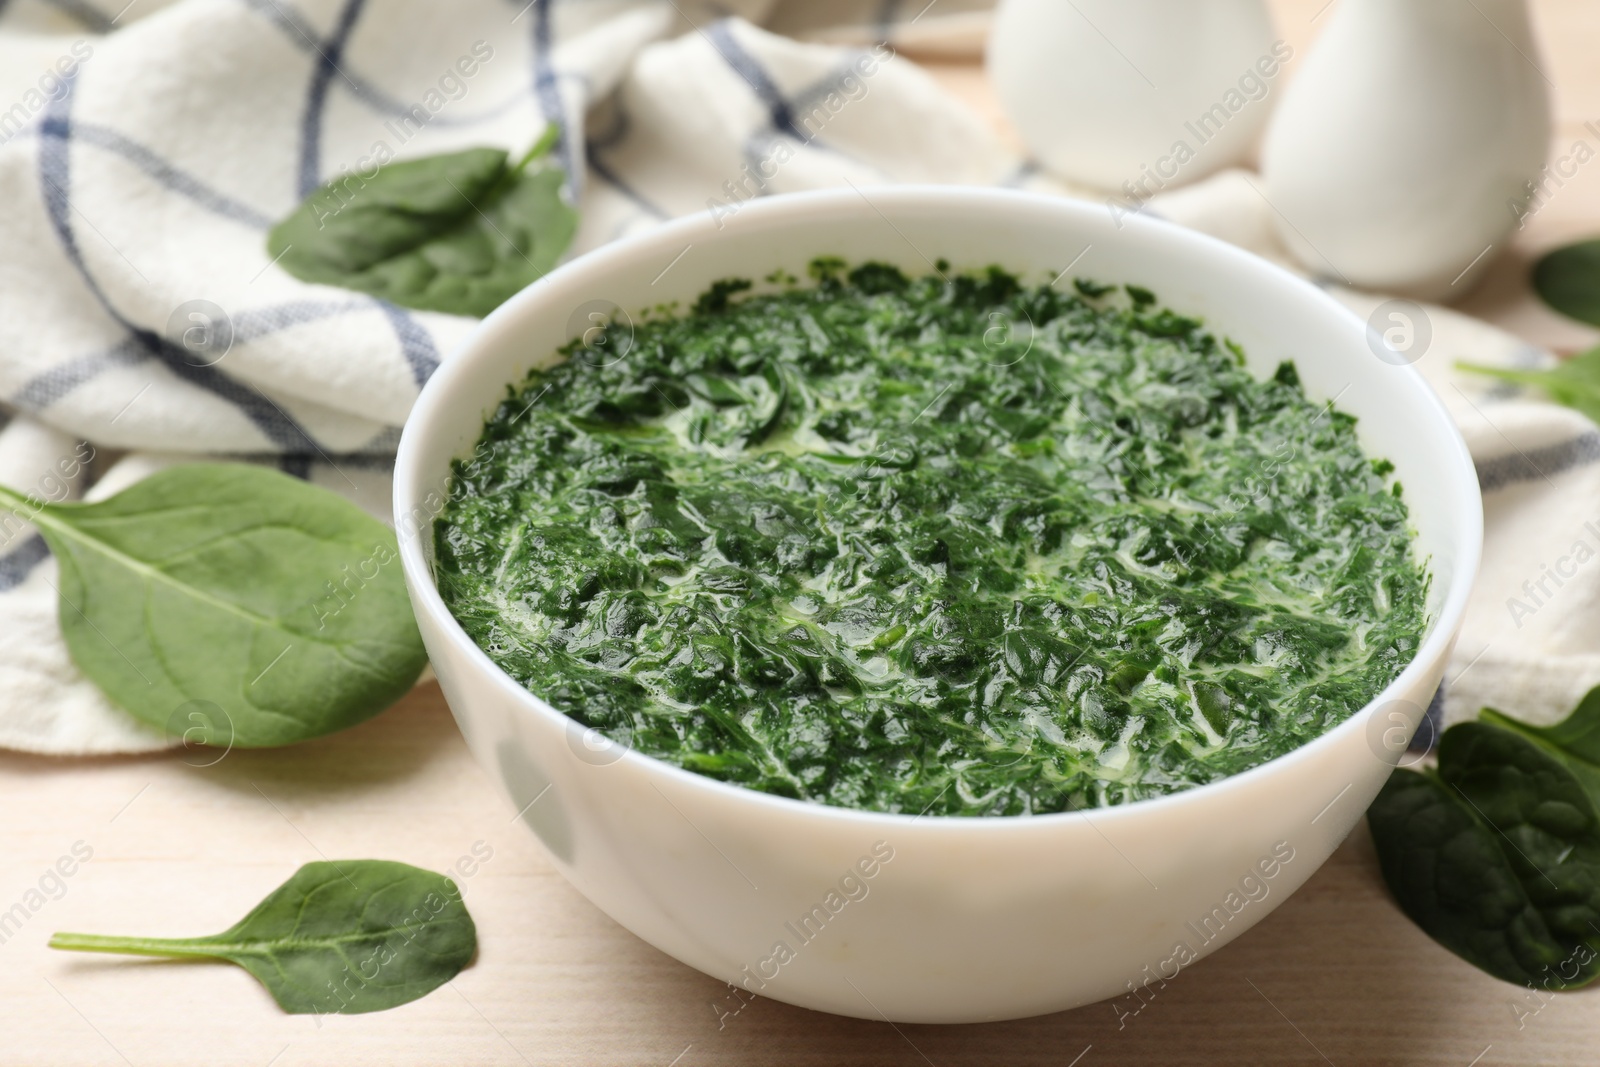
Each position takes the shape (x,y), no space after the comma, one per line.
(1577,736)
(345,937)
(1497,854)
(1568,279)
(277,602)
(1574,382)
(458,232)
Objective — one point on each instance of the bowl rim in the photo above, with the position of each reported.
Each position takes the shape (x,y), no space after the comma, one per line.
(670,236)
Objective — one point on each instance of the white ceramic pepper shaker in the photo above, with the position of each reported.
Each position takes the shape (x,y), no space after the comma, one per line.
(1400,155)
(1151,93)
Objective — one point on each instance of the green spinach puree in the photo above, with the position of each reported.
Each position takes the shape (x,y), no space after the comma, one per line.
(963,547)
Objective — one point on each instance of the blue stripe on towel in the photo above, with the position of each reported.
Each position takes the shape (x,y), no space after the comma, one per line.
(296,466)
(1018,177)
(755,75)
(20,562)
(547,90)
(304,36)
(807,99)
(1539,463)
(416,344)
(55,177)
(328,55)
(616,131)
(169,176)
(279,427)
(93,19)
(302,464)
(54,384)
(1427,736)
(44,389)
(597,165)
(615,134)
(57,132)
(888,15)
(261,322)
(782,113)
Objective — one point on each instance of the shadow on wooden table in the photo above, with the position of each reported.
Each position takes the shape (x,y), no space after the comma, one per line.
(1336,975)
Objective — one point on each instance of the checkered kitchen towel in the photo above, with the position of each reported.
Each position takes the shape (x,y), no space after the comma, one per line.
(145,149)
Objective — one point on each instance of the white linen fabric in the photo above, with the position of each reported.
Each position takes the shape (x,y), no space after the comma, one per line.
(144,153)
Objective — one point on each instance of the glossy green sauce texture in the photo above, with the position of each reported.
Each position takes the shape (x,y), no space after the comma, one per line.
(964,548)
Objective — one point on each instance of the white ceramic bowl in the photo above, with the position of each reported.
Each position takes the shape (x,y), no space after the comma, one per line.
(960,919)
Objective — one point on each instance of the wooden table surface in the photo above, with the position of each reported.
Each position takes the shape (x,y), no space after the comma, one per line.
(1336,975)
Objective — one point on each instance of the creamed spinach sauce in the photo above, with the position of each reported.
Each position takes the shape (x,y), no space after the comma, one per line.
(964,547)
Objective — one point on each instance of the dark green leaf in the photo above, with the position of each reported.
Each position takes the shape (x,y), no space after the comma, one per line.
(345,937)
(278,605)
(1214,704)
(1568,279)
(1497,856)
(459,232)
(1449,875)
(1574,382)
(1577,736)
(1541,812)
(1575,740)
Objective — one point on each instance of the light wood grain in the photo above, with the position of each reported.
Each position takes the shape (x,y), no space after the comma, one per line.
(1336,975)
(180,849)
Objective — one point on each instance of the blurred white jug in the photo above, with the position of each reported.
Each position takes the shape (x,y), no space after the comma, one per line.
(1151,93)
(1400,156)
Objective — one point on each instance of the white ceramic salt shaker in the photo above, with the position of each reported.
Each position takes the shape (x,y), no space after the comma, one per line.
(1400,155)
(1135,96)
